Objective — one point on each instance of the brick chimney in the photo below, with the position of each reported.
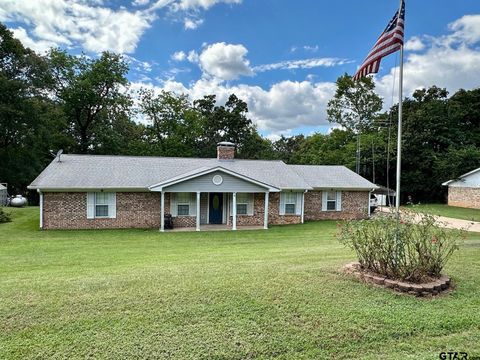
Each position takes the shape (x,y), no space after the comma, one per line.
(225,150)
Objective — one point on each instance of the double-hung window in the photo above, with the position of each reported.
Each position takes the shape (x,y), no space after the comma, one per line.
(290,203)
(244,204)
(332,201)
(101,205)
(183,204)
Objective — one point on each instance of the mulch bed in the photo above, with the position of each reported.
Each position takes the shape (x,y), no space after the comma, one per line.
(431,288)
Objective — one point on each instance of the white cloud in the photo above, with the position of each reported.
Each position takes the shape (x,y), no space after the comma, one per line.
(284,106)
(466,29)
(82,23)
(192,24)
(91,25)
(139,65)
(179,56)
(183,5)
(40,46)
(192,56)
(308,48)
(140,2)
(414,44)
(225,61)
(301,64)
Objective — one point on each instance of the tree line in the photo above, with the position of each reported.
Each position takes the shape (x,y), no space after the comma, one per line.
(81,105)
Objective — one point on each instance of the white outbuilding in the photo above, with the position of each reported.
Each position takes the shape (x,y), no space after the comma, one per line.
(465,190)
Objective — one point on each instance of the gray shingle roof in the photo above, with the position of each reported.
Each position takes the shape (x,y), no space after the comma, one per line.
(139,172)
(331,177)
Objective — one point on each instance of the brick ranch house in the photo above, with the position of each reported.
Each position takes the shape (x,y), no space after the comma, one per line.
(96,191)
(465,191)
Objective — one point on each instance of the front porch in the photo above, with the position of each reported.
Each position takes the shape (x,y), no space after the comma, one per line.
(215,210)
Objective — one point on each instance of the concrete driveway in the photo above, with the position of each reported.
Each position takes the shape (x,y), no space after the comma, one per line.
(450,223)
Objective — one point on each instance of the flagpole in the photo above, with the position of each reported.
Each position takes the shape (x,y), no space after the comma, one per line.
(399,135)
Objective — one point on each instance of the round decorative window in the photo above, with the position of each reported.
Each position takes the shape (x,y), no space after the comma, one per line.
(217,180)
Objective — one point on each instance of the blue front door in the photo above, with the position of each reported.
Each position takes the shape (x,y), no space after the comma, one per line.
(215,205)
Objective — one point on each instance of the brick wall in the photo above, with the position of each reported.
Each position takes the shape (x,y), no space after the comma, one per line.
(142,210)
(274,217)
(354,206)
(258,213)
(69,211)
(464,197)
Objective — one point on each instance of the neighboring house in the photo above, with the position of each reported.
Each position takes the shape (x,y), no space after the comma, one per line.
(3,194)
(96,191)
(465,191)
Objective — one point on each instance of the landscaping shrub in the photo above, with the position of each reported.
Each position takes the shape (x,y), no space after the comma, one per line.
(4,216)
(414,249)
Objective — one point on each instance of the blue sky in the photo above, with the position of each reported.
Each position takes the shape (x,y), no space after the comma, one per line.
(282,57)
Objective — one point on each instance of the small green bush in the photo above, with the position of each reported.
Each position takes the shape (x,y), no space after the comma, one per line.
(4,216)
(414,249)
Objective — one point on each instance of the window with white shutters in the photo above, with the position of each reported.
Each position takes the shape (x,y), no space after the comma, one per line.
(331,201)
(290,203)
(101,205)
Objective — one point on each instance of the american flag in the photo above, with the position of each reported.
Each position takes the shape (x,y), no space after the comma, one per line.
(390,41)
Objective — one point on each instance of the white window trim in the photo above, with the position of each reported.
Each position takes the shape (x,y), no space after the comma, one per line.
(111,203)
(337,201)
(250,203)
(98,203)
(183,204)
(192,204)
(296,202)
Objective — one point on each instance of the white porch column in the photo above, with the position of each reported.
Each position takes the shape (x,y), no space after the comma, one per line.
(227,205)
(303,207)
(41,208)
(234,211)
(198,211)
(162,212)
(265,216)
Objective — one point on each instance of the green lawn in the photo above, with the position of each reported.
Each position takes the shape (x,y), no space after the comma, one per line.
(448,211)
(219,295)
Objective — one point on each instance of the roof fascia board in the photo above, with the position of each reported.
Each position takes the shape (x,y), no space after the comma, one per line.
(87,189)
(460,178)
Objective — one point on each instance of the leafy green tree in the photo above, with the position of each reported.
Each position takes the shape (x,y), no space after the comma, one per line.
(287,148)
(174,125)
(256,147)
(30,123)
(92,94)
(227,122)
(354,106)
